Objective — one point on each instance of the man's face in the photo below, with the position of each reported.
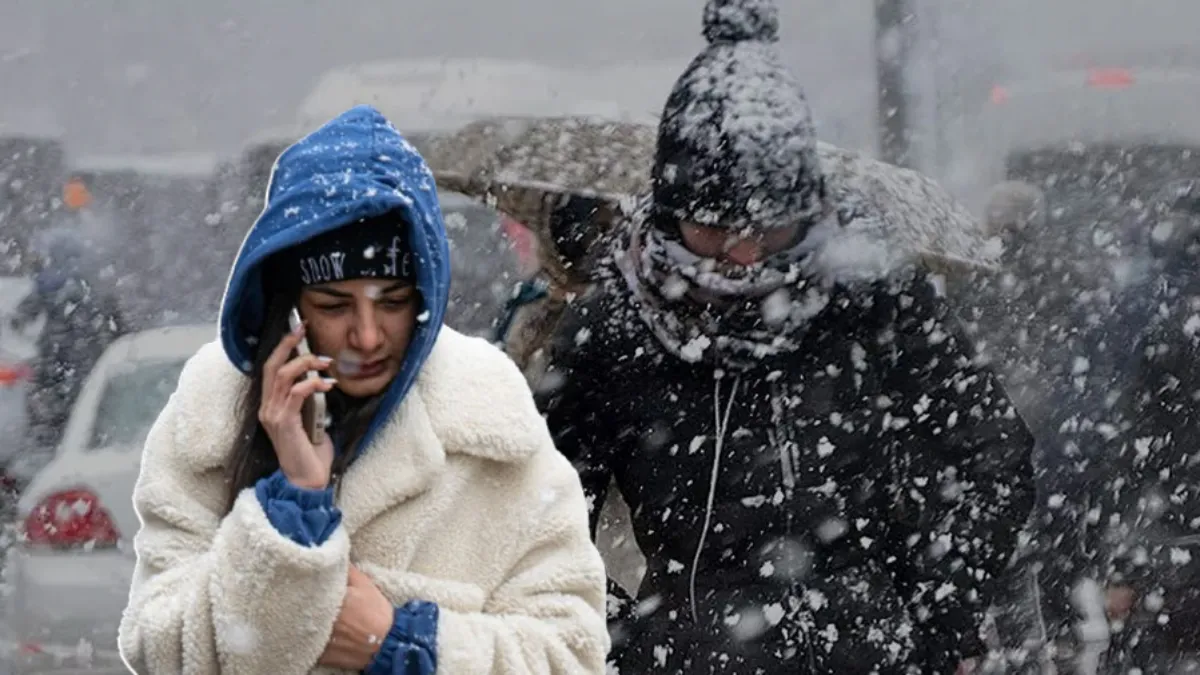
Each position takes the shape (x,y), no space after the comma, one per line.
(742,248)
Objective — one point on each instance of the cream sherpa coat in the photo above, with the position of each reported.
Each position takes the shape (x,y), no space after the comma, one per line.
(462,500)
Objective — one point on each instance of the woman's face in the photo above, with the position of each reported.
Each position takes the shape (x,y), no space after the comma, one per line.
(365,325)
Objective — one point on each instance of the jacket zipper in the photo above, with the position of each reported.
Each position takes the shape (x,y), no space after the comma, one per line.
(720,427)
(781,435)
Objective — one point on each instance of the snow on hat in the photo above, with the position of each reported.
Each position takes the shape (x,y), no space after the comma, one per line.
(736,143)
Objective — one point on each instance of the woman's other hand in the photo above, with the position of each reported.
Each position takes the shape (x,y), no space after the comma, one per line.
(285,389)
(361,626)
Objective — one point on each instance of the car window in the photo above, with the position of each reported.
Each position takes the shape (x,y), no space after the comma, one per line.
(130,403)
(484,265)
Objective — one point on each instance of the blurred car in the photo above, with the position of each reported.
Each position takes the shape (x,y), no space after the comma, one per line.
(70,568)
(1068,111)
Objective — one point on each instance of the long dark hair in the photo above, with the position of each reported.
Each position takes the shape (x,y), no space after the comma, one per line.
(253,455)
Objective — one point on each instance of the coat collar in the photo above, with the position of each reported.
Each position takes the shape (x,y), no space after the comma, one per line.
(469,399)
(478,401)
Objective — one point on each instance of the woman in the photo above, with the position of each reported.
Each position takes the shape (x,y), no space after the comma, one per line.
(821,477)
(435,527)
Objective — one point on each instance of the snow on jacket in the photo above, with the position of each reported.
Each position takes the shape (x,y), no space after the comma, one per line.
(1068,326)
(842,508)
(455,503)
(1145,528)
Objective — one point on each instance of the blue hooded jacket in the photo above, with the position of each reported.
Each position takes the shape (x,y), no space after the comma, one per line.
(357,166)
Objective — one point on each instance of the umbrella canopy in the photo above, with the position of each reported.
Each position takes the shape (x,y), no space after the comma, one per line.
(536,169)
(532,168)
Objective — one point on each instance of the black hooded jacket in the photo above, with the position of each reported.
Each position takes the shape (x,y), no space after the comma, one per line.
(1146,518)
(1091,333)
(843,508)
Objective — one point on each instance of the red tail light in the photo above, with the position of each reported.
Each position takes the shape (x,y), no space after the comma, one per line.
(14,374)
(70,519)
(1110,78)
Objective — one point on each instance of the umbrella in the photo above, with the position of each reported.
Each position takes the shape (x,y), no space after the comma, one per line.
(534,170)
(529,168)
(571,179)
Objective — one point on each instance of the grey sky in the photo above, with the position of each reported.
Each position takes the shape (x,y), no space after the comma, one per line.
(127,76)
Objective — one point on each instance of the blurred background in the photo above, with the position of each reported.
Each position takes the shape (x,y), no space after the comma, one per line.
(136,139)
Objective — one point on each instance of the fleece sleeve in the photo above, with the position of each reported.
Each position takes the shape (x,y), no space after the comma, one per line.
(307,517)
(547,615)
(215,592)
(962,483)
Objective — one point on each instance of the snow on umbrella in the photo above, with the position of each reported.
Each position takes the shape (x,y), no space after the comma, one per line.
(570,180)
(918,215)
(528,167)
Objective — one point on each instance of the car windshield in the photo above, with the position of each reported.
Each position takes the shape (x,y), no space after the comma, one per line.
(131,401)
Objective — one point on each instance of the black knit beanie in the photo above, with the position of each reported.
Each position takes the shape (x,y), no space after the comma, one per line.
(376,248)
(736,144)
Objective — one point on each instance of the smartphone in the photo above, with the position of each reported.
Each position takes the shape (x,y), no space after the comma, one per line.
(313,412)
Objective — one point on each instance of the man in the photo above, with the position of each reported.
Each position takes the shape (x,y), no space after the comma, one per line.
(821,478)
(81,321)
(1147,532)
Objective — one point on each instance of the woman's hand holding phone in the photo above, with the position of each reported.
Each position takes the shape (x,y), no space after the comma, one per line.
(285,389)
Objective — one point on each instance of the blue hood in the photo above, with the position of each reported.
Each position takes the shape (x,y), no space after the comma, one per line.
(354,167)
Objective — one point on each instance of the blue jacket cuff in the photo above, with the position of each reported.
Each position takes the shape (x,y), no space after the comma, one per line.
(305,516)
(410,648)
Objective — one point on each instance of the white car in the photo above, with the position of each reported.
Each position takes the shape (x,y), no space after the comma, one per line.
(70,569)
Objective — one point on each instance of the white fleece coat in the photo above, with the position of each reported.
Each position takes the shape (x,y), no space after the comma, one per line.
(461,500)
